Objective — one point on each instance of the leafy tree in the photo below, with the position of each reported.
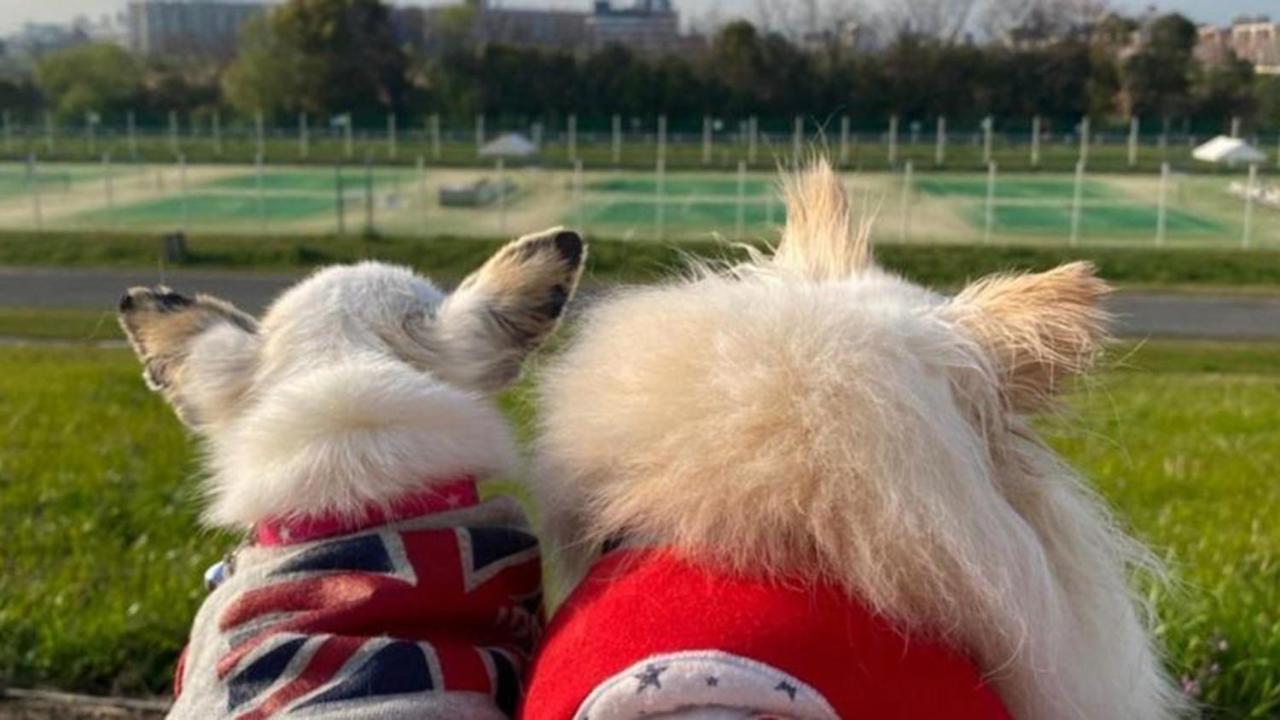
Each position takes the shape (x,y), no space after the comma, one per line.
(320,56)
(89,78)
(1157,79)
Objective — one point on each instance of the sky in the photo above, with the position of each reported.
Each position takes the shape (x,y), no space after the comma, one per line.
(13,13)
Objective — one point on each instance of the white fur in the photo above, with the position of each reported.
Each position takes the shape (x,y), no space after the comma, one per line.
(817,419)
(343,437)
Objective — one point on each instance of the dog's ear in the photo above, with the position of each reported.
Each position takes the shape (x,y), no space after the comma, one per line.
(504,310)
(1040,329)
(199,352)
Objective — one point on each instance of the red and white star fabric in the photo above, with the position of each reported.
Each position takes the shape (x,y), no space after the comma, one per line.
(650,634)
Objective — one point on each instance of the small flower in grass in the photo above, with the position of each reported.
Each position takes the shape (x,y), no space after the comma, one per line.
(1190,687)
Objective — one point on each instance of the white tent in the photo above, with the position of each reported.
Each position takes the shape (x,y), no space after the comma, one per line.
(509,145)
(1223,149)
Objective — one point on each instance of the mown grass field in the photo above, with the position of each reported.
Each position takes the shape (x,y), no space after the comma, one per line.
(103,553)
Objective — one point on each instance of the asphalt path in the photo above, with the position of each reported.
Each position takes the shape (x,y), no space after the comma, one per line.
(1138,314)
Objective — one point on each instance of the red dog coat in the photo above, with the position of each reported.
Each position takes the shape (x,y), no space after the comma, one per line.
(647,633)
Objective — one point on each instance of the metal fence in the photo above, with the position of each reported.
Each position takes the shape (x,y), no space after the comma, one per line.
(914,203)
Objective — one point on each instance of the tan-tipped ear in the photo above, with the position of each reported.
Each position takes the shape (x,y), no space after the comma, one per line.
(507,308)
(1041,329)
(820,240)
(198,351)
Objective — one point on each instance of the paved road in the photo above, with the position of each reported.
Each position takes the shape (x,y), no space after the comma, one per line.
(1138,314)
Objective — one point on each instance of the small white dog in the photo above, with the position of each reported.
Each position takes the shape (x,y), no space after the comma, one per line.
(346,433)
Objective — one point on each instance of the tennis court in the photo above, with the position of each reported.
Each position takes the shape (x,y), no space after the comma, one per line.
(925,207)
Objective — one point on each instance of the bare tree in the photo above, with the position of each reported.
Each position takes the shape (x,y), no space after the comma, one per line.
(1021,21)
(946,20)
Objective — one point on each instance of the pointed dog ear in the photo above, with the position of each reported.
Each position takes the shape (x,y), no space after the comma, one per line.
(1041,329)
(506,309)
(199,352)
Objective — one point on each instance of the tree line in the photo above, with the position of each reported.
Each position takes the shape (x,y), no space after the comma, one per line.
(326,57)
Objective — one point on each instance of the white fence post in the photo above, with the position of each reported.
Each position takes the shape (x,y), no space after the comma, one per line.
(1035,141)
(33,172)
(753,138)
(706,139)
(217,132)
(893,140)
(304,142)
(260,124)
(391,136)
(740,219)
(662,139)
(1162,206)
(904,226)
(422,196)
(660,192)
(1084,139)
(182,192)
(1249,190)
(990,214)
(572,148)
(1133,141)
(988,126)
(797,140)
(616,150)
(940,142)
(502,197)
(578,210)
(844,140)
(1076,193)
(107,188)
(434,123)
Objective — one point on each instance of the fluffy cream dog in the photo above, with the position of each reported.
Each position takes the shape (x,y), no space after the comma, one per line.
(813,420)
(346,433)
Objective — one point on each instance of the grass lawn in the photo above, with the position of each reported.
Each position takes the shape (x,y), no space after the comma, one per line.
(103,553)
(444,257)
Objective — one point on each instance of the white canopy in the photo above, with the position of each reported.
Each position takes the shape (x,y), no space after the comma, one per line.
(509,145)
(1223,149)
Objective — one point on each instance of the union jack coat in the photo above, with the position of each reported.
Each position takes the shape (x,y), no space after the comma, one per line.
(431,617)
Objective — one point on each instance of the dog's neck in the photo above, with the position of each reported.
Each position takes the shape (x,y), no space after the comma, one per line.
(436,497)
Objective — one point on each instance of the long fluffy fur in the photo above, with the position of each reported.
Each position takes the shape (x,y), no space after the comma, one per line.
(814,418)
(340,438)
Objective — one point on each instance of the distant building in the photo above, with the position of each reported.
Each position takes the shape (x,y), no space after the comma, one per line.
(1254,40)
(648,26)
(189,27)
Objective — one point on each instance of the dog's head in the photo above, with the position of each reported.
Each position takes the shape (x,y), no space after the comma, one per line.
(348,353)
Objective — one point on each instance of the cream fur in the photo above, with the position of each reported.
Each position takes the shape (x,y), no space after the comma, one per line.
(813,417)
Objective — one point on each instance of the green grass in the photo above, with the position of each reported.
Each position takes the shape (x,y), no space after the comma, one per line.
(618,260)
(209,207)
(103,554)
(60,324)
(1005,189)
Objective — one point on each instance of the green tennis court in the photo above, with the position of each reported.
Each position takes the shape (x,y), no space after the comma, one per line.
(17,181)
(682,186)
(1095,219)
(705,213)
(306,181)
(1007,188)
(217,208)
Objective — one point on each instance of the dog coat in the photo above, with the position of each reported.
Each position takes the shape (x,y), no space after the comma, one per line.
(647,634)
(430,616)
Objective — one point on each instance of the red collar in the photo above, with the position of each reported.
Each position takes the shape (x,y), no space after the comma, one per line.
(452,495)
